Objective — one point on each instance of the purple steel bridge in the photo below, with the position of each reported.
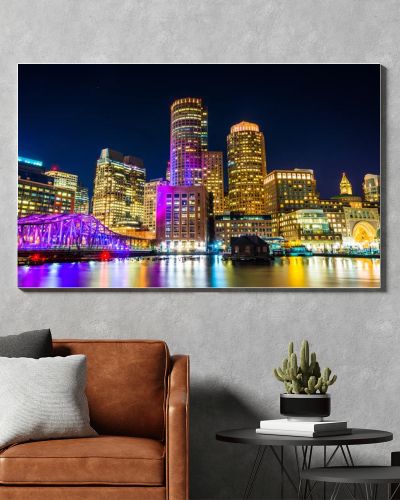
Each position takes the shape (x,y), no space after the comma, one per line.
(68,232)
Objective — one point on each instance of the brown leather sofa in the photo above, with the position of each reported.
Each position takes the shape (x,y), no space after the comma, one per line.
(139,401)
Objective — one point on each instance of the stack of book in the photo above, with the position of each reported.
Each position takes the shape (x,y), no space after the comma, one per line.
(303,428)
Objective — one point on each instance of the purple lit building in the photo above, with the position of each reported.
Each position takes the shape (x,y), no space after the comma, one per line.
(182,207)
(189,137)
(182,218)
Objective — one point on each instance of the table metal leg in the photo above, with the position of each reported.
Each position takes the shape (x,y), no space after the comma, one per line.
(279,456)
(297,461)
(349,454)
(284,470)
(350,463)
(253,474)
(371,491)
(390,494)
(351,493)
(305,464)
(299,490)
(282,494)
(324,466)
(335,491)
(344,456)
(307,457)
(332,456)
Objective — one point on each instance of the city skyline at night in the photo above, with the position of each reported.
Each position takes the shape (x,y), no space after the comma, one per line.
(263,176)
(325,118)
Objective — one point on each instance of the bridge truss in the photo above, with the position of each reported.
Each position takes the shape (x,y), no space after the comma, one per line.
(67,231)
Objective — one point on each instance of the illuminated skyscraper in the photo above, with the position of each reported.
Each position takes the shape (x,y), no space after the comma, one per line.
(118,189)
(81,200)
(288,190)
(204,129)
(372,187)
(189,137)
(67,180)
(213,179)
(345,185)
(247,168)
(150,202)
(63,179)
(168,172)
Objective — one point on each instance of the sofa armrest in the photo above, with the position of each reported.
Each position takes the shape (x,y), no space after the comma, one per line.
(177,431)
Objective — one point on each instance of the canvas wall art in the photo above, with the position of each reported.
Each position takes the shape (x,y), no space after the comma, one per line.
(199,176)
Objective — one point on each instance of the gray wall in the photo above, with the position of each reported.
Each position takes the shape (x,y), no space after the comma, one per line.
(234,339)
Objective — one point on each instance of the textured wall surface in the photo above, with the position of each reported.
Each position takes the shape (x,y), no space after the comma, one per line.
(234,338)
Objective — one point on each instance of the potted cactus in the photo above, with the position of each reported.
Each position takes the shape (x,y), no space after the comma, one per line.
(306,386)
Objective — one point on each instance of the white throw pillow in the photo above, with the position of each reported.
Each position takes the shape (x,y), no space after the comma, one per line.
(43,399)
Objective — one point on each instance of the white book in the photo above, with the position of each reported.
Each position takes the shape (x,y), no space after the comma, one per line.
(311,434)
(303,425)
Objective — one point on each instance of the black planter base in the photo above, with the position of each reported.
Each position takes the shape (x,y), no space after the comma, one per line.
(305,407)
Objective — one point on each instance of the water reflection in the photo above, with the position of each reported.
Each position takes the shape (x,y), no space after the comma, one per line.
(207,272)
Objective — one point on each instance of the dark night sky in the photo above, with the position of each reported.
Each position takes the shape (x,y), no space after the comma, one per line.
(324,117)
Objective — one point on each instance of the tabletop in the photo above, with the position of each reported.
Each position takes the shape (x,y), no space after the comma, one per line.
(249,436)
(353,475)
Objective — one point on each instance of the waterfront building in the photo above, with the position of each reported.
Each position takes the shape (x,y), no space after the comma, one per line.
(345,185)
(357,222)
(231,225)
(189,137)
(181,220)
(289,190)
(249,247)
(213,179)
(372,188)
(362,227)
(333,204)
(309,227)
(247,168)
(37,193)
(118,188)
(63,179)
(337,222)
(371,204)
(333,209)
(81,200)
(150,194)
(137,235)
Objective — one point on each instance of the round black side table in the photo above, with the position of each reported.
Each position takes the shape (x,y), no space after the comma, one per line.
(303,450)
(370,477)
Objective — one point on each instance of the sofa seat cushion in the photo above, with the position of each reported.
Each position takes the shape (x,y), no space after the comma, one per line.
(104,460)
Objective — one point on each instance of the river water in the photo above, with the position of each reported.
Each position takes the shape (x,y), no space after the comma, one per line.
(207,272)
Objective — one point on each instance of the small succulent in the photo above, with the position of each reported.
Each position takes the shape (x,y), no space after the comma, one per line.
(306,377)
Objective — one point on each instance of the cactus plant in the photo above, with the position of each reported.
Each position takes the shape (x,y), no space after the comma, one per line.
(304,377)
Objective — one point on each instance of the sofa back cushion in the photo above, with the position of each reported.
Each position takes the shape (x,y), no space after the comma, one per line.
(34,344)
(126,384)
